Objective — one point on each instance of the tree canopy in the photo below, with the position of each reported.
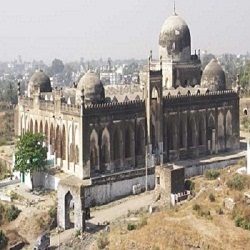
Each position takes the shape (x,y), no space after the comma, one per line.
(30,154)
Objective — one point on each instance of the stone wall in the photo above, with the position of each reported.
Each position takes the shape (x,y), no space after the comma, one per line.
(200,168)
(110,191)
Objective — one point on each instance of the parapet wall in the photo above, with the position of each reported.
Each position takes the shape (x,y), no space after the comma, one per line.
(219,96)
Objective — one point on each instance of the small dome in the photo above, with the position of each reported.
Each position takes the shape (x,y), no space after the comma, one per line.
(213,77)
(39,81)
(175,39)
(92,86)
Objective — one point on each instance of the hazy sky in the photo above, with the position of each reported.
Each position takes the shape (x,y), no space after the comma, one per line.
(122,29)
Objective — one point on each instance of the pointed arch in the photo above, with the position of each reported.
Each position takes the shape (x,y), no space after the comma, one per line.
(105,149)
(220,124)
(22,125)
(71,140)
(94,152)
(36,127)
(31,125)
(191,131)
(63,146)
(46,133)
(41,127)
(182,133)
(140,140)
(117,144)
(52,138)
(229,129)
(129,142)
(76,143)
(58,142)
(171,133)
(202,130)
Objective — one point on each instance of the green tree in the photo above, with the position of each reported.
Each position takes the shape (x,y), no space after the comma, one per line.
(245,76)
(30,154)
(3,240)
(57,66)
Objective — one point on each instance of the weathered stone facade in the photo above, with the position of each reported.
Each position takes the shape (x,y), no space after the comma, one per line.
(114,145)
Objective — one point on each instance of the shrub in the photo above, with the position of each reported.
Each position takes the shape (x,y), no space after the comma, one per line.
(102,241)
(12,213)
(236,183)
(41,223)
(212,174)
(219,211)
(131,226)
(196,207)
(53,211)
(238,220)
(78,232)
(3,240)
(211,197)
(143,222)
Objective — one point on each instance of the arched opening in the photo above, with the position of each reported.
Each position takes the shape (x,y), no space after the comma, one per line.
(31,125)
(191,132)
(153,139)
(117,144)
(229,129)
(202,131)
(129,143)
(36,127)
(46,133)
(182,134)
(41,127)
(94,160)
(220,125)
(69,211)
(58,142)
(245,111)
(171,135)
(52,138)
(211,127)
(140,141)
(105,150)
(76,154)
(63,143)
(94,152)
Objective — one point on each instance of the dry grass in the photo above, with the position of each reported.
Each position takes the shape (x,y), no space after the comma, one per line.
(184,228)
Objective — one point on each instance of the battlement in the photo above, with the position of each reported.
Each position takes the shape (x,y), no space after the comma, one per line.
(115,106)
(218,96)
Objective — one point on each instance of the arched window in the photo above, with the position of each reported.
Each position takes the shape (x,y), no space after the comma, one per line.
(129,142)
(191,132)
(58,142)
(117,144)
(202,131)
(140,140)
(36,127)
(63,143)
(41,127)
(31,125)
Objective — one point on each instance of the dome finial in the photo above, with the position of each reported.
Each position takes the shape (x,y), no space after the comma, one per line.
(174,8)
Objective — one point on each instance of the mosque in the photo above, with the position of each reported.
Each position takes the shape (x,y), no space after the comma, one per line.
(111,139)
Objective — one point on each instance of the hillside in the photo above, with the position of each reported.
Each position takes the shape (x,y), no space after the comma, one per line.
(203,222)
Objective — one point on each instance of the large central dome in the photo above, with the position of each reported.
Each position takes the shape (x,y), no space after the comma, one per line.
(175,40)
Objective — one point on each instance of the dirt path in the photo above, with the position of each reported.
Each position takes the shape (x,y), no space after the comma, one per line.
(108,213)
